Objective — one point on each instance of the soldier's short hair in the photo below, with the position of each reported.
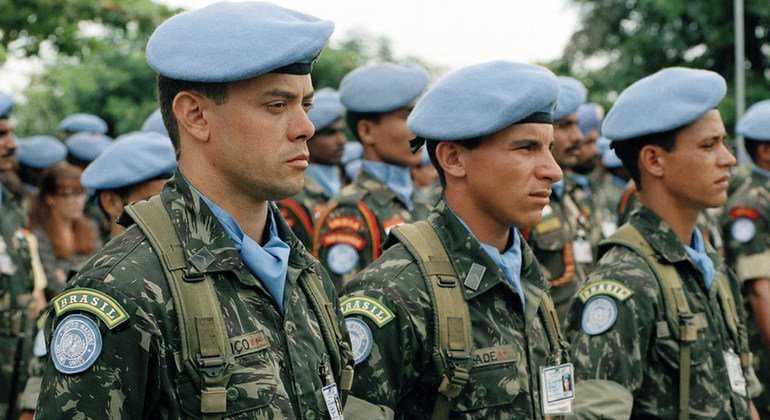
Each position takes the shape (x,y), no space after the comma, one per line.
(432,144)
(352,119)
(751,147)
(628,150)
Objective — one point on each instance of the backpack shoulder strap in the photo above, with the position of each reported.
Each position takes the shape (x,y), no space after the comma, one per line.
(201,324)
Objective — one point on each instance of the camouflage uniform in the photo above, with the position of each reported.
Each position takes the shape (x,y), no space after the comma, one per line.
(509,345)
(302,210)
(280,358)
(633,365)
(360,219)
(16,285)
(747,211)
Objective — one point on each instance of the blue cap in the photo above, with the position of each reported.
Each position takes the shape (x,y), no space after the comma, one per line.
(132,158)
(425,156)
(227,42)
(155,123)
(327,108)
(610,159)
(484,98)
(381,88)
(755,123)
(6,105)
(353,150)
(87,146)
(572,94)
(603,143)
(41,152)
(590,117)
(83,123)
(669,99)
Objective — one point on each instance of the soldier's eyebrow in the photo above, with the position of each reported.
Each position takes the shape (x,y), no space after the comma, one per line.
(524,143)
(285,94)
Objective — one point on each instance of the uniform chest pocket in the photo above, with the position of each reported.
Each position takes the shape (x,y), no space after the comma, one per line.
(252,385)
(497,379)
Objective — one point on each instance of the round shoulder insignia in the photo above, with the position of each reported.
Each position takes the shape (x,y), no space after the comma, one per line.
(547,210)
(743,230)
(76,344)
(38,347)
(599,315)
(360,339)
(341,258)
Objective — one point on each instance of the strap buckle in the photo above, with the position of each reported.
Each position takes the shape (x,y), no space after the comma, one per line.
(454,381)
(211,365)
(688,331)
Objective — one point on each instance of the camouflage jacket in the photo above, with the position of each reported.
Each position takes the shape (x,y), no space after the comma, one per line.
(302,210)
(139,374)
(625,357)
(350,233)
(510,344)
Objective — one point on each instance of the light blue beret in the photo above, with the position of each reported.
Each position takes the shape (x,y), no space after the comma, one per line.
(87,146)
(132,158)
(327,108)
(83,123)
(755,123)
(610,159)
(226,42)
(381,88)
(352,169)
(669,99)
(590,117)
(155,123)
(425,156)
(484,98)
(572,94)
(41,152)
(6,105)
(353,151)
(603,143)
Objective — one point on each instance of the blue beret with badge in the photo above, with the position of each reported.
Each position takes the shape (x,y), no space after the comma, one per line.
(327,108)
(227,42)
(155,123)
(610,159)
(6,105)
(381,88)
(572,94)
(669,99)
(80,123)
(87,146)
(132,158)
(590,117)
(483,99)
(755,123)
(41,152)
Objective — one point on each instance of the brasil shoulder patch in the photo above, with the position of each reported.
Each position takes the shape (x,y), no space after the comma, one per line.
(368,307)
(605,287)
(93,301)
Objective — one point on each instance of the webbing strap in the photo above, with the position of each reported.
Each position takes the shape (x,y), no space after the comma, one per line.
(552,329)
(201,324)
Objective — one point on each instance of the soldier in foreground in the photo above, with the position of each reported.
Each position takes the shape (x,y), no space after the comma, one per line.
(658,330)
(208,306)
(454,320)
(746,229)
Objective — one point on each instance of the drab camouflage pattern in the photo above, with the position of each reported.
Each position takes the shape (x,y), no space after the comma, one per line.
(387,208)
(16,284)
(302,210)
(139,375)
(639,353)
(751,260)
(509,346)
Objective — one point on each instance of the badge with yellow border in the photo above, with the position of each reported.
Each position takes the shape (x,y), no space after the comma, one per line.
(369,308)
(88,300)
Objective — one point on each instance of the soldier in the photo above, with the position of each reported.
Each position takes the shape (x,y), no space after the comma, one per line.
(208,306)
(83,148)
(454,320)
(661,311)
(562,240)
(746,228)
(81,123)
(323,179)
(613,185)
(349,234)
(36,154)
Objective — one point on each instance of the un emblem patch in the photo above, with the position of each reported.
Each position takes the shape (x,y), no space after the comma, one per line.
(360,338)
(76,344)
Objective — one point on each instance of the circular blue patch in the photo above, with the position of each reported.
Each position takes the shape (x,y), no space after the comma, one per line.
(743,230)
(599,315)
(360,339)
(76,344)
(342,258)
(38,347)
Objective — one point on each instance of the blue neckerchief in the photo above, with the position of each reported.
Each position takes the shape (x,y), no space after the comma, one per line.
(698,254)
(584,182)
(558,188)
(327,177)
(397,178)
(760,171)
(269,263)
(509,262)
(620,182)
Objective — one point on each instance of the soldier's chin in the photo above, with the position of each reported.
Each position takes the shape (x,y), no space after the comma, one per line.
(287,189)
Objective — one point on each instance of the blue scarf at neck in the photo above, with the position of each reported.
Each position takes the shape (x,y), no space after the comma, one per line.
(326,176)
(698,253)
(584,182)
(397,178)
(558,188)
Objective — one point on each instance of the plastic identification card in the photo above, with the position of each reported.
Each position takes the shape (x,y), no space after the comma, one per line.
(557,389)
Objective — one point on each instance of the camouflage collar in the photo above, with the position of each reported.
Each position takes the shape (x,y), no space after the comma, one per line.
(312,189)
(379,190)
(658,234)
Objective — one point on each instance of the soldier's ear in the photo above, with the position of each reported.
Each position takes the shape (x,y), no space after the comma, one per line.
(367,132)
(188,110)
(652,159)
(449,156)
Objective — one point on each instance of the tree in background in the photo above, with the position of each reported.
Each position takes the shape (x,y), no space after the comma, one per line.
(621,41)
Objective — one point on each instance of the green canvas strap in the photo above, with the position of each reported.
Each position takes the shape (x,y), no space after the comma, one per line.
(201,324)
(552,329)
(451,316)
